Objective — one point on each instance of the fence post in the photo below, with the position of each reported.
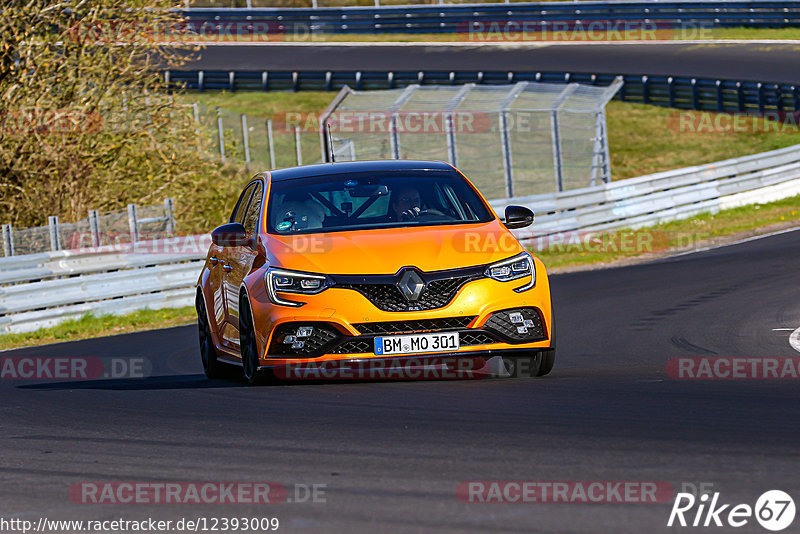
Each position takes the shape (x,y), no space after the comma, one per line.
(55,240)
(452,148)
(246,140)
(555,132)
(169,209)
(221,135)
(133,223)
(507,169)
(394,138)
(505,141)
(297,145)
(271,142)
(94,228)
(196,115)
(8,240)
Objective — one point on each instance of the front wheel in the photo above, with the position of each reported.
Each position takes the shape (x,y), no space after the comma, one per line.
(548,359)
(248,345)
(208,354)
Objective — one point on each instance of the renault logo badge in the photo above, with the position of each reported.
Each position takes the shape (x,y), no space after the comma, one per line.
(411,285)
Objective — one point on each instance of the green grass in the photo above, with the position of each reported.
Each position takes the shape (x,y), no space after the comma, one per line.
(701,231)
(643,139)
(90,326)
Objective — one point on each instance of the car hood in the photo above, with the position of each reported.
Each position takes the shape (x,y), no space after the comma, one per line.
(387,250)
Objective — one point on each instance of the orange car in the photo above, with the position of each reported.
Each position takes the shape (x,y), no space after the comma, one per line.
(373,261)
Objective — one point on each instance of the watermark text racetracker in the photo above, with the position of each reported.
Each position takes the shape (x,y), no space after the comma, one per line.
(206,492)
(73,367)
(572,491)
(733,368)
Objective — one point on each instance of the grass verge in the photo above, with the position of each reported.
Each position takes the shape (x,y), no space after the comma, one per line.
(91,326)
(601,249)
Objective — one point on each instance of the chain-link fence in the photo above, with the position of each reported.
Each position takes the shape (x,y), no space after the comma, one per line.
(512,140)
(287,140)
(99,229)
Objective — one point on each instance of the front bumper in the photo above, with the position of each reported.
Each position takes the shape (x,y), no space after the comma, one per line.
(345,312)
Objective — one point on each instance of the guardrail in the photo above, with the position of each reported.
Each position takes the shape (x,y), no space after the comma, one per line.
(665,196)
(679,92)
(41,290)
(457,18)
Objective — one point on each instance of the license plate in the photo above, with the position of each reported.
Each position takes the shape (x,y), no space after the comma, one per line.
(415,343)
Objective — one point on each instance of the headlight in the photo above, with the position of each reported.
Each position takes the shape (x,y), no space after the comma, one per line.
(294,282)
(520,266)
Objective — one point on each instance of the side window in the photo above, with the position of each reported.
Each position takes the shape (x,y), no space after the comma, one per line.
(241,205)
(253,211)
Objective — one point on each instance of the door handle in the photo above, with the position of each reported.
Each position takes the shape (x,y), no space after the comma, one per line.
(214,260)
(227,268)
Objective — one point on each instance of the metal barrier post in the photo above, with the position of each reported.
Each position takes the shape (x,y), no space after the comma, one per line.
(8,240)
(94,227)
(169,209)
(55,240)
(133,223)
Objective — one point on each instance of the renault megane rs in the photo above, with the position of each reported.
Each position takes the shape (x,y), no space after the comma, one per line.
(368,261)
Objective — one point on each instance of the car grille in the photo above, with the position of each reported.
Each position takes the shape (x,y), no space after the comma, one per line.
(355,346)
(476,338)
(386,297)
(405,327)
(316,344)
(382,290)
(500,323)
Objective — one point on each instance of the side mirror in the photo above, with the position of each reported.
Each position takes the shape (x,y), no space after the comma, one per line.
(518,217)
(230,235)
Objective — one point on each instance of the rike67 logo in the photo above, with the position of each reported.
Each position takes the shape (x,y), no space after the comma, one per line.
(774,510)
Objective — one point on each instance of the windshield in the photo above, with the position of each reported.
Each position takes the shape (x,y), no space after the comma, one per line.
(361,201)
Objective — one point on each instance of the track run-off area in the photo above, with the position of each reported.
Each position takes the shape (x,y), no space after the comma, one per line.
(392,455)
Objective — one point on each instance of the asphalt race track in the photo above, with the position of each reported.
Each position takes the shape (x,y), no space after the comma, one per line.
(760,62)
(393,453)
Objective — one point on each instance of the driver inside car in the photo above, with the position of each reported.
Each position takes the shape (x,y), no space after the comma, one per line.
(406,205)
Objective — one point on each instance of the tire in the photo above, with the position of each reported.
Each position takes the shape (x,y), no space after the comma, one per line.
(549,356)
(248,346)
(524,366)
(208,353)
